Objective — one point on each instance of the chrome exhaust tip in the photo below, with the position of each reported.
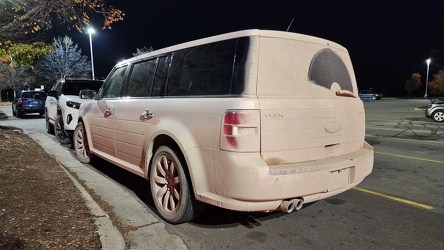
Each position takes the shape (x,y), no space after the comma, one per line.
(286,206)
(297,203)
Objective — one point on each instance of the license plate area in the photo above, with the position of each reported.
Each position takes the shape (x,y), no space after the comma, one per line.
(339,179)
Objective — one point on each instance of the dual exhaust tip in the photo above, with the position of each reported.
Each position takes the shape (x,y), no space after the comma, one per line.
(289,206)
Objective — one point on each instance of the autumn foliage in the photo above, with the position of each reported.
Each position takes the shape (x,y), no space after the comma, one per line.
(27,19)
(436,86)
(21,53)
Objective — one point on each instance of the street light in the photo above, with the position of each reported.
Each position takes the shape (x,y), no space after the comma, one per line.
(427,79)
(90,31)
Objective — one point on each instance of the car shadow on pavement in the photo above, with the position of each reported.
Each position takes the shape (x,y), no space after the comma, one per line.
(213,217)
(31,116)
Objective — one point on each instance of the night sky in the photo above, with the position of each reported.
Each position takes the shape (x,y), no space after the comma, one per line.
(388,40)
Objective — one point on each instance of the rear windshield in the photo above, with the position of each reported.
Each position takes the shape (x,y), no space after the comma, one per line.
(36,95)
(74,87)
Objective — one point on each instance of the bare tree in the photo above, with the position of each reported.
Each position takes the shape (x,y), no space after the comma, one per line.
(413,83)
(21,20)
(65,59)
(6,77)
(16,78)
(24,78)
(143,50)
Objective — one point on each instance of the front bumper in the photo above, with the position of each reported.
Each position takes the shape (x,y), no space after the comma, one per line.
(70,120)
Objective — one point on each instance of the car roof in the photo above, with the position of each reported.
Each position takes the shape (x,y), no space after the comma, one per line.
(233,35)
(83,80)
(29,90)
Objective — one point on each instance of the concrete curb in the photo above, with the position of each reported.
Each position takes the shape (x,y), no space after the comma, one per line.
(110,236)
(3,115)
(143,230)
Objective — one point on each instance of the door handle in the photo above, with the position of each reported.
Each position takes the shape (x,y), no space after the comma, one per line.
(108,112)
(147,115)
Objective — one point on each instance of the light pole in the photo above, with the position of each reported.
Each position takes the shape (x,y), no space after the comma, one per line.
(91,31)
(427,78)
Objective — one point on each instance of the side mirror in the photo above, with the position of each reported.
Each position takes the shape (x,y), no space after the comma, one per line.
(53,93)
(87,94)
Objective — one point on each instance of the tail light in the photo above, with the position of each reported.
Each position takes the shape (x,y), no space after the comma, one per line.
(20,101)
(240,131)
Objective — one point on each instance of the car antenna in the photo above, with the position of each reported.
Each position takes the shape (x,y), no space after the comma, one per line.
(290,24)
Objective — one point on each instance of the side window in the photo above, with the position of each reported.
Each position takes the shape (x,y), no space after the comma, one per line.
(202,70)
(141,79)
(56,85)
(114,84)
(159,79)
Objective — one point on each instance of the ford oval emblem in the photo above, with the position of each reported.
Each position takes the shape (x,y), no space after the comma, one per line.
(333,127)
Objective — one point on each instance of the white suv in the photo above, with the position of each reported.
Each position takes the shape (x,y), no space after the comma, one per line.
(63,103)
(250,121)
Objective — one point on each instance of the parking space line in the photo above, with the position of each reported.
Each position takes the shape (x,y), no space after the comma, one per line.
(416,204)
(410,157)
(405,139)
(423,130)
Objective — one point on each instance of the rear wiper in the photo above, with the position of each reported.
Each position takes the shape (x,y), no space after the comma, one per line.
(345,93)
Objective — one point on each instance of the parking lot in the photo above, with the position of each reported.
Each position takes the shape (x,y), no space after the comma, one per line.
(400,205)
(407,151)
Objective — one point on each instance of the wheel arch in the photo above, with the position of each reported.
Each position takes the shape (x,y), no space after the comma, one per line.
(87,133)
(165,140)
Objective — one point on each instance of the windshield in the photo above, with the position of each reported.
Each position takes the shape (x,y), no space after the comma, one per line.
(74,87)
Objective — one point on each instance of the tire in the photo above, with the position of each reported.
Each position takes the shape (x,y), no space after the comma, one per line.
(13,112)
(60,132)
(438,116)
(80,144)
(49,126)
(170,189)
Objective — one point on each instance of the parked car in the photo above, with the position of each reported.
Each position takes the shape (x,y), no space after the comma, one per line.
(62,105)
(369,95)
(435,110)
(250,121)
(29,101)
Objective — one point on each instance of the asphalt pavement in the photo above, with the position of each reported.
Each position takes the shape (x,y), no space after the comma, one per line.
(405,167)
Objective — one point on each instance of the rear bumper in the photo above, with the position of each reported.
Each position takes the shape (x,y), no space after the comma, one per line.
(246,183)
(30,109)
